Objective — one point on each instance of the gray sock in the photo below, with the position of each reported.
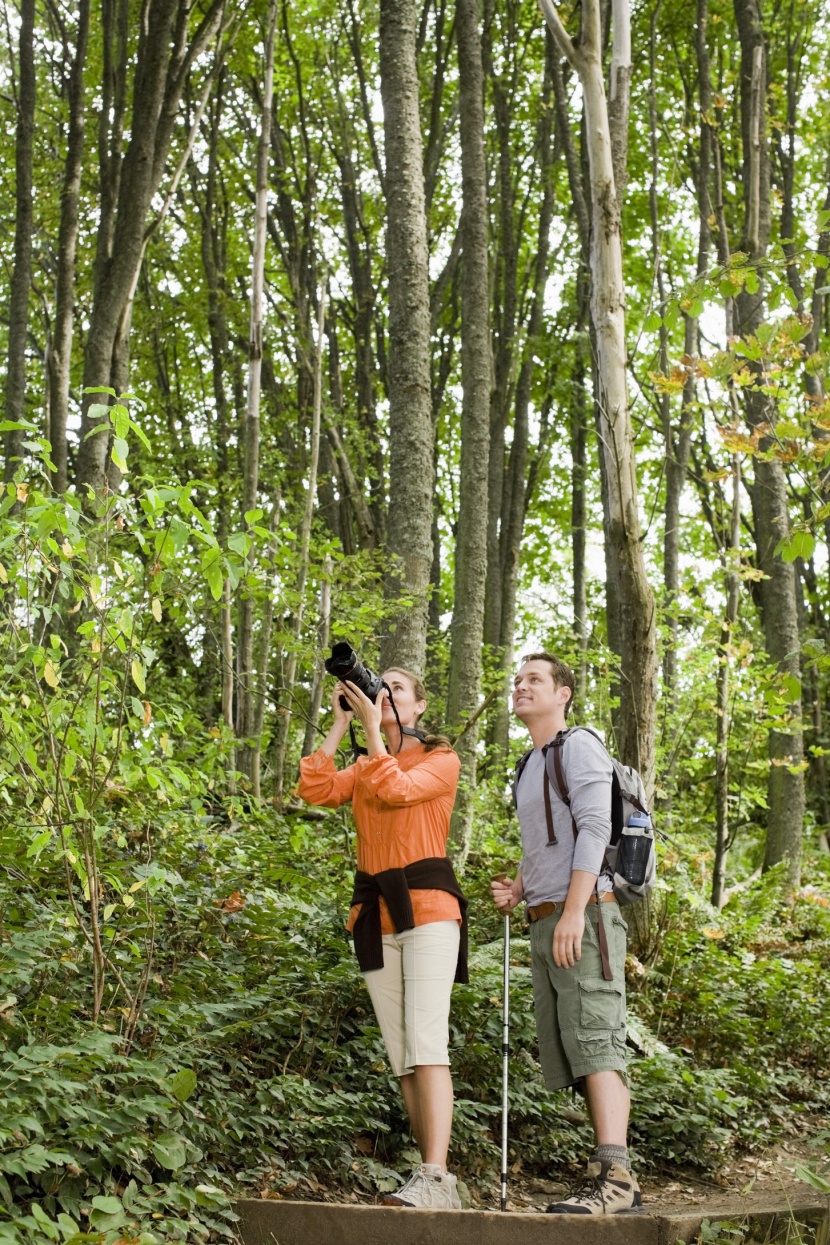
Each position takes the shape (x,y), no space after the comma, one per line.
(612,1154)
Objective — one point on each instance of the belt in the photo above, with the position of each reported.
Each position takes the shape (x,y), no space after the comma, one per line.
(547,909)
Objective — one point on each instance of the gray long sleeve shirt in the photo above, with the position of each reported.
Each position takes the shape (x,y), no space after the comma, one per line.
(547,867)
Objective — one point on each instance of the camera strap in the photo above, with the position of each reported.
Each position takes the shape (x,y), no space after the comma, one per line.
(359,751)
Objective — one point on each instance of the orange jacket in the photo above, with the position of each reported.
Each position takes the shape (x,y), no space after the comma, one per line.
(402,807)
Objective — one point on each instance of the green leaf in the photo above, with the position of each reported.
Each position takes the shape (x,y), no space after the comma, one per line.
(109,1205)
(13,425)
(37,846)
(813,1178)
(142,438)
(239,542)
(799,544)
(169,1150)
(183,1084)
(137,671)
(214,577)
(791,687)
(120,450)
(120,417)
(652,323)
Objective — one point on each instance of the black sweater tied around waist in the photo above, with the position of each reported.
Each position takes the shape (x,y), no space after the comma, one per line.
(433,873)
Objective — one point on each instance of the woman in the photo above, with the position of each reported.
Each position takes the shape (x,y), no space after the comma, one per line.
(407,910)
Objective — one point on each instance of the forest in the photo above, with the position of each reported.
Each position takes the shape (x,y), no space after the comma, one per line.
(455,329)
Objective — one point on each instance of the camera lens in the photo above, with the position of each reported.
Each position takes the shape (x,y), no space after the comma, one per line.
(344,665)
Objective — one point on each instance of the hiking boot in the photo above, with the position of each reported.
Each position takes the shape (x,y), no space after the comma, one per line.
(606,1189)
(428,1187)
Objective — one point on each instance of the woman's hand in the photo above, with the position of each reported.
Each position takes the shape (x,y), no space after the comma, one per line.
(370,714)
(338,728)
(342,717)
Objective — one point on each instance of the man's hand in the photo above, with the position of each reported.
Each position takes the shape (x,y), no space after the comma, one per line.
(567,937)
(506,893)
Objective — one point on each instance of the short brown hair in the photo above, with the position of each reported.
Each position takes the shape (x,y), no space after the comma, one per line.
(562,675)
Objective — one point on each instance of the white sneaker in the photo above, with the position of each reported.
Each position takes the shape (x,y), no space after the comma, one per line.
(429,1187)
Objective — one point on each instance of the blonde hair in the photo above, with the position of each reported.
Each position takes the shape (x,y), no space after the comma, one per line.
(420,692)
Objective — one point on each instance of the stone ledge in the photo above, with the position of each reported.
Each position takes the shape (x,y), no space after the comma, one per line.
(265,1222)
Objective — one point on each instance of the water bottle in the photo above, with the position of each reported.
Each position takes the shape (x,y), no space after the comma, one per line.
(635,847)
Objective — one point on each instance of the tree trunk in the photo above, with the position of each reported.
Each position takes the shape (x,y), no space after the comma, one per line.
(290,671)
(60,357)
(263,663)
(770,501)
(637,621)
(579,513)
(245,703)
(471,545)
(163,60)
(323,639)
(514,496)
(731,561)
(15,389)
(411,476)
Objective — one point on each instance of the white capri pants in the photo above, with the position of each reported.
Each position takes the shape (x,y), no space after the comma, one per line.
(411,994)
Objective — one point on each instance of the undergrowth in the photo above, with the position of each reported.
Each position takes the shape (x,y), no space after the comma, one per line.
(257,1065)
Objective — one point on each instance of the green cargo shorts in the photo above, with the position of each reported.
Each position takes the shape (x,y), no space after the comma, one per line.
(580,1017)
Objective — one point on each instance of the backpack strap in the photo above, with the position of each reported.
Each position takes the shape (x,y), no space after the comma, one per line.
(517,773)
(554,750)
(548,808)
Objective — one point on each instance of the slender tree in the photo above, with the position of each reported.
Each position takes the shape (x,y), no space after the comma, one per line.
(245,703)
(770,502)
(166,51)
(15,387)
(606,124)
(411,472)
(471,547)
(60,355)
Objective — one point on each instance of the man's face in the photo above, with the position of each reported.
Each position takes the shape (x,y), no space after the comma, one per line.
(534,692)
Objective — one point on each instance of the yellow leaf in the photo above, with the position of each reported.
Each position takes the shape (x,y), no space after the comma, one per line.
(137,671)
(50,673)
(136,886)
(22,492)
(4,577)
(119,574)
(148,713)
(66,549)
(128,901)
(24,700)
(156,608)
(711,931)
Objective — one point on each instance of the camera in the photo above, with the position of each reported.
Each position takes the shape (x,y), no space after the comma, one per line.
(344,665)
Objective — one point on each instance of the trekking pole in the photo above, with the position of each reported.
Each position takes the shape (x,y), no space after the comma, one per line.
(505,1051)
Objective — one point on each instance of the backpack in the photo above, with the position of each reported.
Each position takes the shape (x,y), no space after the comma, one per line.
(630,855)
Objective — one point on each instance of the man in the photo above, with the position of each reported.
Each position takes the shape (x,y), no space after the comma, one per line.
(568,889)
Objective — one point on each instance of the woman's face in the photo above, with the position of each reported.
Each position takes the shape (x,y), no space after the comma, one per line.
(409,709)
